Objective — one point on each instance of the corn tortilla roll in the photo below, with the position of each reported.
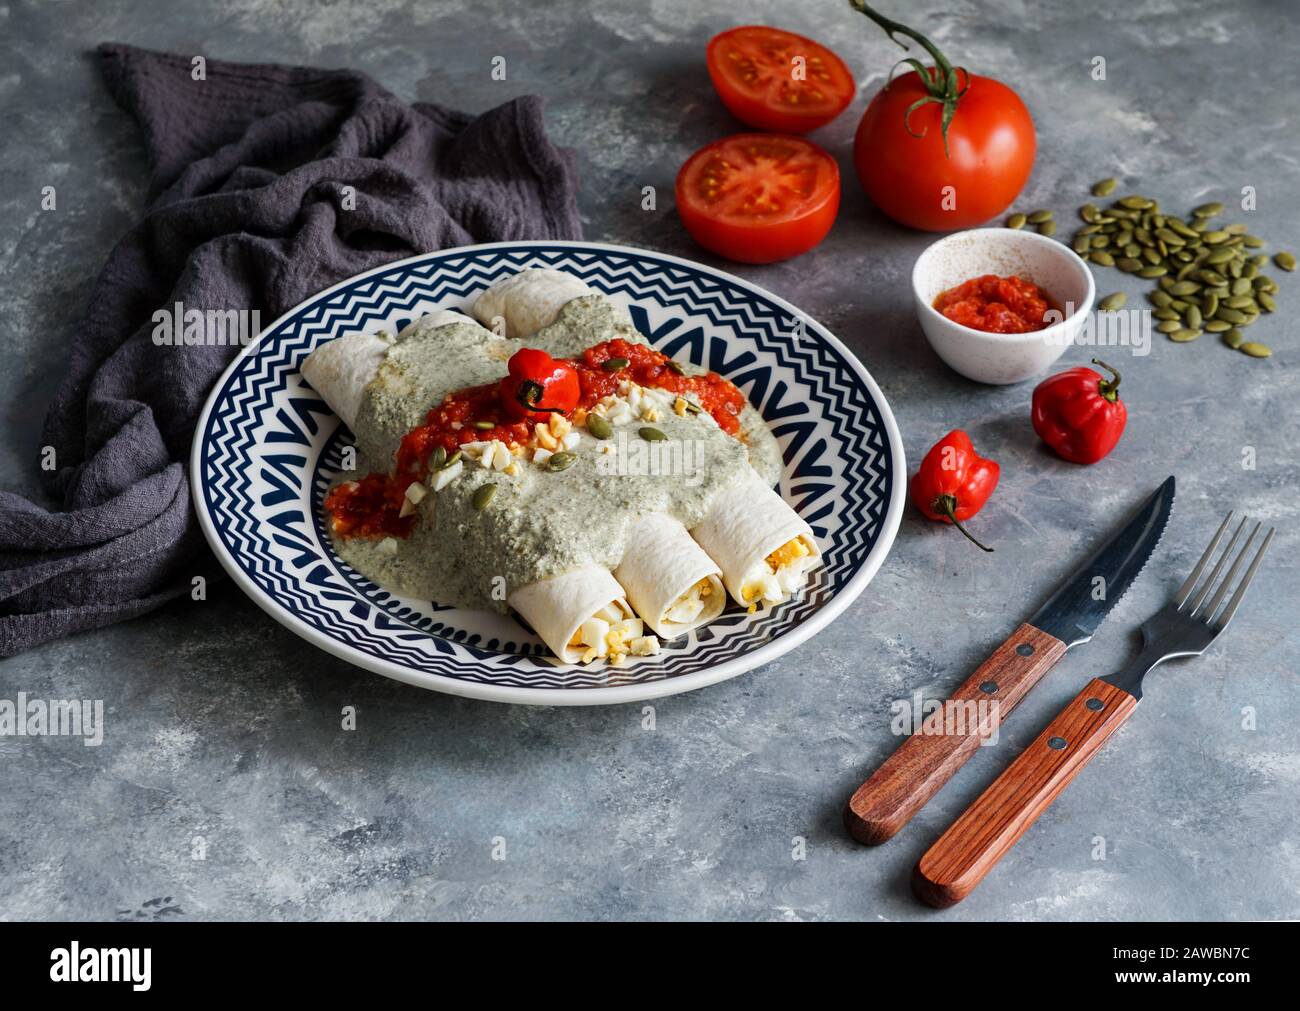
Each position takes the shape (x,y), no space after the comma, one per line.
(339,371)
(529,300)
(764,549)
(582,615)
(670,581)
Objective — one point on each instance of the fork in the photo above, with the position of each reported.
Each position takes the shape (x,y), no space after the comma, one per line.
(1186,626)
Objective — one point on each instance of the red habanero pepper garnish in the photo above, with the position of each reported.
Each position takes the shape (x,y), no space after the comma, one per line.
(1079,414)
(538,386)
(954,482)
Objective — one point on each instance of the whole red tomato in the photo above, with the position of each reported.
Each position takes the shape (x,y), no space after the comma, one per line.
(936,175)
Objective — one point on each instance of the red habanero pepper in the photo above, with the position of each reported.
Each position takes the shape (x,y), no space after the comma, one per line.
(1079,414)
(538,386)
(954,482)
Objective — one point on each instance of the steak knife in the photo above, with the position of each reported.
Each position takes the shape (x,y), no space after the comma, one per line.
(915,772)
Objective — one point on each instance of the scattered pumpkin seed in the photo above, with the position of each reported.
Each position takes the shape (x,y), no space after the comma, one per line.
(1256,350)
(1166,314)
(1230,315)
(1183,336)
(1152,272)
(1217,325)
(1047,228)
(1100,256)
(1208,210)
(1210,304)
(1103,188)
(1112,302)
(651,434)
(1192,317)
(482,496)
(1016,221)
(561,461)
(1038,217)
(1184,288)
(599,427)
(1170,325)
(1265,301)
(1159,298)
(1233,338)
(1136,203)
(1129,265)
(1285,260)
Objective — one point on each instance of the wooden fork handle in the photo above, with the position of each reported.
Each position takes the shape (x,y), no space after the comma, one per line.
(908,778)
(975,842)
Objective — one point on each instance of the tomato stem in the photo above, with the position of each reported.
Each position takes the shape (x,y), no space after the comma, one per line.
(941,81)
(947,505)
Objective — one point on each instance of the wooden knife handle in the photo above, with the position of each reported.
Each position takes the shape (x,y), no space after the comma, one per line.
(925,761)
(953,866)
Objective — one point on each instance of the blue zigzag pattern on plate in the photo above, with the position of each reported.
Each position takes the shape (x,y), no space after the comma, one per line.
(267,459)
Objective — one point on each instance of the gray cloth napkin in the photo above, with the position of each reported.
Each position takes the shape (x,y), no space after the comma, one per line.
(249,171)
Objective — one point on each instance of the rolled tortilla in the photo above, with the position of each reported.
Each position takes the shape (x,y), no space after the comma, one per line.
(560,608)
(670,581)
(339,371)
(528,301)
(764,549)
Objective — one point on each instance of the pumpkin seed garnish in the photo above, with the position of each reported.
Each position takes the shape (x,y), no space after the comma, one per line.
(614,364)
(1103,188)
(651,434)
(599,426)
(561,461)
(676,366)
(485,426)
(439,459)
(1112,302)
(482,496)
(1256,350)
(450,460)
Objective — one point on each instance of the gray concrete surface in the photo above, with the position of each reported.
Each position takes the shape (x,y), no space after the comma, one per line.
(222,726)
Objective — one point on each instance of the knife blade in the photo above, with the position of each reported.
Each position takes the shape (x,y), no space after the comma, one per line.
(920,766)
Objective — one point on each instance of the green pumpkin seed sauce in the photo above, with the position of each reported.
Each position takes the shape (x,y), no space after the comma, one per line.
(538,523)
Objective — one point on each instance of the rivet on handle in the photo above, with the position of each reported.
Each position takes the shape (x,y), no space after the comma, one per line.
(989,687)
(1096,705)
(1025,649)
(1056,743)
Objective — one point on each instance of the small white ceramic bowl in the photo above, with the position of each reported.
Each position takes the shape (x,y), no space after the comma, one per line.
(994,357)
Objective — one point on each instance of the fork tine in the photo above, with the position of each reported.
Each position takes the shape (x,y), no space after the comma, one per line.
(1227,580)
(1223,619)
(1218,567)
(1186,588)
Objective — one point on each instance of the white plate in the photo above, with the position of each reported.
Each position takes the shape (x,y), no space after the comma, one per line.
(267,447)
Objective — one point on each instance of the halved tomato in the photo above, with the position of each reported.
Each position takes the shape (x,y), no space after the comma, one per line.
(759,197)
(772,79)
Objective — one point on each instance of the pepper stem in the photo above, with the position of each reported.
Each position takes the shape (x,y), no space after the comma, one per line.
(530,391)
(947,505)
(1108,388)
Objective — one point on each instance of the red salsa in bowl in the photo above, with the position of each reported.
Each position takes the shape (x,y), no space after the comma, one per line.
(998,305)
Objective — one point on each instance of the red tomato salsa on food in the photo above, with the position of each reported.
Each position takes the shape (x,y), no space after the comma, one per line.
(997,305)
(372,506)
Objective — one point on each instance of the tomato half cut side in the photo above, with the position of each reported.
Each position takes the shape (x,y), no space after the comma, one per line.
(772,79)
(759,197)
